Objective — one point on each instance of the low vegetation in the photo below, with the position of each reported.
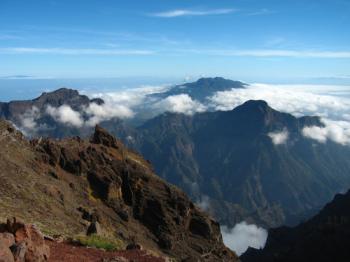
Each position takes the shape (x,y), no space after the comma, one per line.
(101,242)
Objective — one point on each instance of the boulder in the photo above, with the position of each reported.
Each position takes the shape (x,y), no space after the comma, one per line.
(94,229)
(5,253)
(7,239)
(29,243)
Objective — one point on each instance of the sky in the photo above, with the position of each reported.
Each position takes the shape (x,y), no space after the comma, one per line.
(272,40)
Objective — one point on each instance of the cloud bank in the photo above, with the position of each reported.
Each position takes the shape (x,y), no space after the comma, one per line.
(98,113)
(331,103)
(242,236)
(182,103)
(65,115)
(336,131)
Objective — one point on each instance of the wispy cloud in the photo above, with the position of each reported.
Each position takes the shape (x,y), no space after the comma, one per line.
(188,12)
(271,53)
(213,52)
(263,11)
(74,51)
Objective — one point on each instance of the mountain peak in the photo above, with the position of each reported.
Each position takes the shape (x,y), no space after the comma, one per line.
(202,88)
(61,92)
(215,82)
(252,106)
(256,103)
(62,96)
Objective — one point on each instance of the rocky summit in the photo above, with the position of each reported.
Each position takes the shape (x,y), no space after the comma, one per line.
(71,186)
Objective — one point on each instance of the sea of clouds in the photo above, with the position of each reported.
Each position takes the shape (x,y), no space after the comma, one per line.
(331,103)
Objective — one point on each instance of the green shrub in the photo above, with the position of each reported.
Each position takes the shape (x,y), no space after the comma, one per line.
(100,242)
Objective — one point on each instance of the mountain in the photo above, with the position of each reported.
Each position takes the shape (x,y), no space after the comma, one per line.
(325,237)
(202,88)
(230,164)
(235,164)
(34,118)
(65,112)
(64,186)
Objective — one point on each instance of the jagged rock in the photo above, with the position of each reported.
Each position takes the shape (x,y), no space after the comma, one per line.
(101,136)
(94,229)
(323,238)
(29,242)
(91,216)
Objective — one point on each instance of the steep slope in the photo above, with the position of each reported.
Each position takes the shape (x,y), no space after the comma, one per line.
(325,237)
(230,158)
(64,185)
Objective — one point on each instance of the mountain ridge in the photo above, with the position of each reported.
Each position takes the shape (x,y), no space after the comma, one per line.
(75,179)
(237,146)
(322,238)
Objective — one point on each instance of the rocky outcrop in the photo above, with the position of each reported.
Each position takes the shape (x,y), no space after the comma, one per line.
(100,183)
(21,242)
(323,238)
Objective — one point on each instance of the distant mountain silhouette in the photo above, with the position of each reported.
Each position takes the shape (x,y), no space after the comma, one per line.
(202,88)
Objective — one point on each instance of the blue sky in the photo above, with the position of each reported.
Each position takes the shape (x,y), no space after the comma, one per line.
(242,39)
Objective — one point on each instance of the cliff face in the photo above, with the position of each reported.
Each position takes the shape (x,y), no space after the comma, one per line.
(325,237)
(231,159)
(62,185)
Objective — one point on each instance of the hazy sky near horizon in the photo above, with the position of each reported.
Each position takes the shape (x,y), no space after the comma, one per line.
(241,39)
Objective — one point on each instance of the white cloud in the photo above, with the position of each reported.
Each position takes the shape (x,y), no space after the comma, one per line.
(182,103)
(336,131)
(28,119)
(73,51)
(133,97)
(98,113)
(298,100)
(279,137)
(187,12)
(242,236)
(65,115)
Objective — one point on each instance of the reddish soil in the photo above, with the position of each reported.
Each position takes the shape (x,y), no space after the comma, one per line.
(69,253)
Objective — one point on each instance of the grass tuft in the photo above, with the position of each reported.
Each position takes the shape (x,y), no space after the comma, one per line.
(101,242)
